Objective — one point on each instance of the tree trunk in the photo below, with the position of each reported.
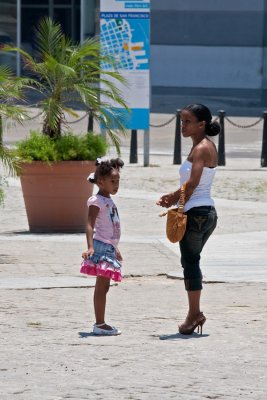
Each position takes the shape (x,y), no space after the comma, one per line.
(53,133)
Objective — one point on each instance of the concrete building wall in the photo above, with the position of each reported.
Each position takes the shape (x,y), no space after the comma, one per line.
(207,67)
(215,48)
(210,51)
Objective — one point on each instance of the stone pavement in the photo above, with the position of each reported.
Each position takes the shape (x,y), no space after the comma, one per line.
(47,348)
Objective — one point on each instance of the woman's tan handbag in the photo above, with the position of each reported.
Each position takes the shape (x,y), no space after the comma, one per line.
(176,220)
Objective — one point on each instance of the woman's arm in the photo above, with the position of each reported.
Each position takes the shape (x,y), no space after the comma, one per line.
(170,199)
(198,163)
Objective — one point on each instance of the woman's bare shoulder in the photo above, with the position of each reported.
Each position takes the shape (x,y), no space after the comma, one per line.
(206,150)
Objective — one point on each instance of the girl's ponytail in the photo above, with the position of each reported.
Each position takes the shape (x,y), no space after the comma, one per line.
(91,178)
(116,163)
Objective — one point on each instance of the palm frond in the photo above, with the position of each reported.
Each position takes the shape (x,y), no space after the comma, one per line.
(10,162)
(17,113)
(70,111)
(49,37)
(5,73)
(11,90)
(65,69)
(115,139)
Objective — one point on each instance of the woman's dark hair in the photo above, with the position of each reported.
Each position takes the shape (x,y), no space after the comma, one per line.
(104,168)
(202,113)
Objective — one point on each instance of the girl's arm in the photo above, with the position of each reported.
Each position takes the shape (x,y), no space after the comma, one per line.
(118,254)
(92,214)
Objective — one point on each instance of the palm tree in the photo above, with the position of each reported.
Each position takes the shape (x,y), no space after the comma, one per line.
(64,70)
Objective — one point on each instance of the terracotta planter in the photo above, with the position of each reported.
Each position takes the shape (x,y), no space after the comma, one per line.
(55,195)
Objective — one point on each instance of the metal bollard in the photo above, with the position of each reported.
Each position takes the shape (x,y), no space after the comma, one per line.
(133,147)
(221,144)
(264,141)
(177,159)
(90,126)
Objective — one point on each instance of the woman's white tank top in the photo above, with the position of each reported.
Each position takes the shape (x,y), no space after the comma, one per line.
(201,196)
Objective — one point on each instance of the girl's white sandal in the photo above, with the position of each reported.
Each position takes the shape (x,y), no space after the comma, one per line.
(97,330)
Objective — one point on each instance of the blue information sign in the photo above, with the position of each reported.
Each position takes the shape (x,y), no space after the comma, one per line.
(125,34)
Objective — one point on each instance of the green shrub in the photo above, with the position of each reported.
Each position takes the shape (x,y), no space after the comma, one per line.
(39,147)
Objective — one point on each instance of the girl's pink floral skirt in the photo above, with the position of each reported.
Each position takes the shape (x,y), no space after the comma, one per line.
(103,262)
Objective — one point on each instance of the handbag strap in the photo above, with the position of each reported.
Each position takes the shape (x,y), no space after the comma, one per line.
(180,209)
(182,198)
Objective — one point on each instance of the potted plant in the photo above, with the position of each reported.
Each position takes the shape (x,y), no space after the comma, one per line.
(55,164)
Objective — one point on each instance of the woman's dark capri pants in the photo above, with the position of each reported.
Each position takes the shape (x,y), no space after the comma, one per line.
(201,222)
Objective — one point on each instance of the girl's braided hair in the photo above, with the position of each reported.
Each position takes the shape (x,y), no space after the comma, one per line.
(104,168)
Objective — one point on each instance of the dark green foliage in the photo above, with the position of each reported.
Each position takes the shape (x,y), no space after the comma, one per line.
(67,147)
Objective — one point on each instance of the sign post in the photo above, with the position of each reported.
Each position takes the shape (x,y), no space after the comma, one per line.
(125,35)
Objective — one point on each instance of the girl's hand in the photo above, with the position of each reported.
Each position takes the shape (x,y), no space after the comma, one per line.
(167,200)
(88,253)
(119,256)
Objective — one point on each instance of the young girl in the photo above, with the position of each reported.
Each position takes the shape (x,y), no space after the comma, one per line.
(197,171)
(102,258)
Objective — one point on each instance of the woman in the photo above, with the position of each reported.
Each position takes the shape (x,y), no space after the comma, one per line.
(197,171)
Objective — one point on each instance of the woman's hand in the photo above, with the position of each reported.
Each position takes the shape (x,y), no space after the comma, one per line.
(168,200)
(88,253)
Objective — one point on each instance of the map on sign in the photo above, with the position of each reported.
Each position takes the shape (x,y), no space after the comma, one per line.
(127,41)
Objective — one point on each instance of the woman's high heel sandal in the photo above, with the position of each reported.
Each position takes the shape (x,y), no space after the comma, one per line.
(188,329)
